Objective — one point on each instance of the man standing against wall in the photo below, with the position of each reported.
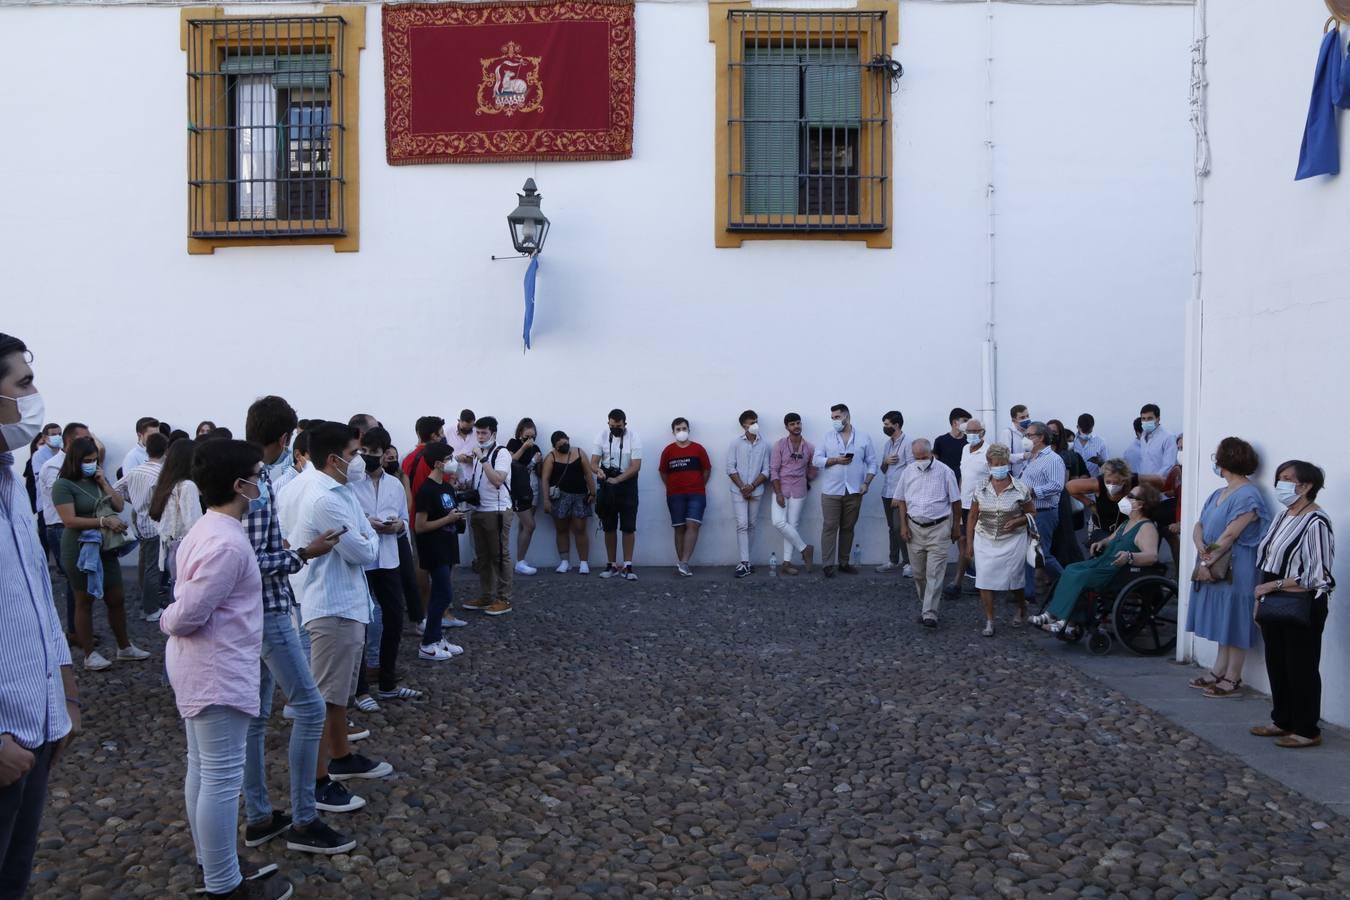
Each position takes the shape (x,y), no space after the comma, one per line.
(896,454)
(748,468)
(1157,446)
(616,458)
(791,470)
(490,521)
(848,463)
(137,485)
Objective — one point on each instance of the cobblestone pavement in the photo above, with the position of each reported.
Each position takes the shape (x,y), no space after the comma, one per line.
(710,737)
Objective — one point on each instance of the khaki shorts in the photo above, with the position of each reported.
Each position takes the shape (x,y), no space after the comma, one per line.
(336,648)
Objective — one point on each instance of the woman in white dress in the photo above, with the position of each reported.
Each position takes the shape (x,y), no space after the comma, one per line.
(997,529)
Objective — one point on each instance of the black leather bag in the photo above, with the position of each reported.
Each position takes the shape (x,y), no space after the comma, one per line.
(1285,608)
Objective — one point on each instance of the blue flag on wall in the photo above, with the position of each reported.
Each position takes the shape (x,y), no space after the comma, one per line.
(530,274)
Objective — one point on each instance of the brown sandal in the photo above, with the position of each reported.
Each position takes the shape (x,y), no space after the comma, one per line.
(1294,741)
(1273,731)
(1218,693)
(1205,681)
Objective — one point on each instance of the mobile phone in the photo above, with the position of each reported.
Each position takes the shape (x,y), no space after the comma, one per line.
(848,456)
(342,532)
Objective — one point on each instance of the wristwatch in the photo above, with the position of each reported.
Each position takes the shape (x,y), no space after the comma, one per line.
(304,557)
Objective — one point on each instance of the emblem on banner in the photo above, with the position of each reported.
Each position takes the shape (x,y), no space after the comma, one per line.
(510,83)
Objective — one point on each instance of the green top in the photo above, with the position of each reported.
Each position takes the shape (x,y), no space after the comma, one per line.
(84,493)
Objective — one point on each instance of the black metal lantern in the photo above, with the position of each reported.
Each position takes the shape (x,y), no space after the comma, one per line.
(529,226)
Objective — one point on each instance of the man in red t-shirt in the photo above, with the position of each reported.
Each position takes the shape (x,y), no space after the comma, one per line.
(430,430)
(685,469)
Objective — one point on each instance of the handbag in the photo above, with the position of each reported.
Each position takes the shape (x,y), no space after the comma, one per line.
(112,541)
(1035,555)
(1220,571)
(1285,608)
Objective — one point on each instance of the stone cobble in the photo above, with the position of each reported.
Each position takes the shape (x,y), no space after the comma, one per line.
(709,737)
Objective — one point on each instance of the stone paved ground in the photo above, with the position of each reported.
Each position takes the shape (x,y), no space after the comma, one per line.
(759,738)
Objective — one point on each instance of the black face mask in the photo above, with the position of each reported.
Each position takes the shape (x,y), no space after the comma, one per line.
(888,430)
(373,461)
(564,448)
(391,468)
(616,432)
(444,440)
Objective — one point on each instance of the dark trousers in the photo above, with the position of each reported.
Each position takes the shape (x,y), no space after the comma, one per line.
(54,533)
(441,598)
(407,574)
(1293,655)
(899,549)
(387,588)
(20,821)
(152,580)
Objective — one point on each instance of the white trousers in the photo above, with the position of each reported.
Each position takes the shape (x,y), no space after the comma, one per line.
(747,510)
(786,519)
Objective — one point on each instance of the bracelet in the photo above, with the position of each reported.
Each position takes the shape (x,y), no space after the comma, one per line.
(100,522)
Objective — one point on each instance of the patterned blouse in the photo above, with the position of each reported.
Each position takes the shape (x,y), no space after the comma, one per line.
(997,508)
(1300,547)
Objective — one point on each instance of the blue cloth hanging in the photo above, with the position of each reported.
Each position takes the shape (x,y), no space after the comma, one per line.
(530,274)
(1320,153)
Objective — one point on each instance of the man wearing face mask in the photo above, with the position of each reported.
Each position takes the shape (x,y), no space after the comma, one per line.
(1089,446)
(616,459)
(971,476)
(39,701)
(490,520)
(685,469)
(747,466)
(1044,476)
(928,504)
(49,447)
(847,463)
(1157,445)
(335,601)
(896,455)
(1020,420)
(791,471)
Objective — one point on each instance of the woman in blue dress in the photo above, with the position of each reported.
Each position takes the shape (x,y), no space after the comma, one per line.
(1226,536)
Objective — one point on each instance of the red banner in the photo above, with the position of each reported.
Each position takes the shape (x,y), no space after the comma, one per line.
(505,82)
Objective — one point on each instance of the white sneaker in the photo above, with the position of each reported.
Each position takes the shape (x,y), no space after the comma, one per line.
(907,571)
(453,622)
(583,569)
(564,567)
(422,626)
(131,651)
(524,568)
(452,649)
(683,569)
(433,652)
(887,567)
(154,616)
(96,662)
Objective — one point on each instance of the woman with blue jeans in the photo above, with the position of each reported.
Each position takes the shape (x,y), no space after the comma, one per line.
(214,631)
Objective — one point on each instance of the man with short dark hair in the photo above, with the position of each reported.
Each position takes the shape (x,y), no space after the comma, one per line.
(1044,476)
(363,422)
(490,520)
(1090,446)
(747,466)
(896,455)
(137,485)
(463,442)
(137,455)
(39,701)
(430,430)
(847,464)
(616,458)
(48,448)
(949,447)
(1157,446)
(791,469)
(1014,436)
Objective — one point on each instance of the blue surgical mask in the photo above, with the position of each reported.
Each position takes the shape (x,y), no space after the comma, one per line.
(999,472)
(88,469)
(1286,492)
(973,437)
(1218,471)
(1149,426)
(837,424)
(1023,423)
(56,442)
(259,503)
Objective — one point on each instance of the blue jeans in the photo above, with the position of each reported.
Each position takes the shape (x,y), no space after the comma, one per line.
(1047,520)
(441,598)
(374,631)
(284,665)
(215,773)
(54,533)
(21,806)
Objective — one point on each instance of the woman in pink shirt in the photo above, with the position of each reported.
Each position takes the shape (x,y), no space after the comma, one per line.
(215,639)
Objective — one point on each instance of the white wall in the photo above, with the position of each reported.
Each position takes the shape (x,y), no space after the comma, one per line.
(1092,182)
(1276,283)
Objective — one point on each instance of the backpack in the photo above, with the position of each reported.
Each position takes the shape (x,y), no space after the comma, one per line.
(522,495)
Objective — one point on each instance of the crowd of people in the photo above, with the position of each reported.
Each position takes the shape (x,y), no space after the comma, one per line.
(289,560)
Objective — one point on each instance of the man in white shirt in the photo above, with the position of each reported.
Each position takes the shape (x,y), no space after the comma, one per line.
(462,440)
(1014,435)
(1089,446)
(974,473)
(747,466)
(847,463)
(929,503)
(335,605)
(51,470)
(145,426)
(1158,446)
(616,458)
(137,485)
(896,454)
(385,503)
(490,520)
(51,444)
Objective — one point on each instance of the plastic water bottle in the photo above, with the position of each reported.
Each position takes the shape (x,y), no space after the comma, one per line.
(857,554)
(773,565)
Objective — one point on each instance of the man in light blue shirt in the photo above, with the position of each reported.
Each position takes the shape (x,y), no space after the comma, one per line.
(847,463)
(1044,475)
(747,467)
(1158,446)
(1089,446)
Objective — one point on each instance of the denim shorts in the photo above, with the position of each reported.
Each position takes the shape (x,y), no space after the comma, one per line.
(686,508)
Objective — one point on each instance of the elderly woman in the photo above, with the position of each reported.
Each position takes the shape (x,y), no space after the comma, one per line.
(1296,556)
(997,530)
(1134,543)
(1223,594)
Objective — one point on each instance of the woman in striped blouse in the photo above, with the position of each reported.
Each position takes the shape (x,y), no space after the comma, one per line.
(1296,555)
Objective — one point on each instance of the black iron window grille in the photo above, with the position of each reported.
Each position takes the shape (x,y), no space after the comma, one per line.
(265,149)
(808,128)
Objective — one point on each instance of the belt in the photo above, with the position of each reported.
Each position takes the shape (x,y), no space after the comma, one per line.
(922,524)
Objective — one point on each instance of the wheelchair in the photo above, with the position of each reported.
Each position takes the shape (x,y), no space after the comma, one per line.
(1138,609)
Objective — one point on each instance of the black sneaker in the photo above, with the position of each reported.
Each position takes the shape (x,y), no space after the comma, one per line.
(269,887)
(742,570)
(257,835)
(330,796)
(250,872)
(317,837)
(354,765)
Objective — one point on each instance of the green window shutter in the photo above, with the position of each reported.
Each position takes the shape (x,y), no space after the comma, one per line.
(833,87)
(771,139)
(289,71)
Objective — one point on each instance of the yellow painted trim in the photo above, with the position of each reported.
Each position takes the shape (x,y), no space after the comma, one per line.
(354,41)
(726,101)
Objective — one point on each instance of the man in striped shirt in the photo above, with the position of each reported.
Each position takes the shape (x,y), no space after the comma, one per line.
(137,486)
(39,703)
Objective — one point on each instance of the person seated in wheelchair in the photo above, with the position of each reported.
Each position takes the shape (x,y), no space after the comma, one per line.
(1133,544)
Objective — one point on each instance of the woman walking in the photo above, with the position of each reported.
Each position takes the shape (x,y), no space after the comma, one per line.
(997,530)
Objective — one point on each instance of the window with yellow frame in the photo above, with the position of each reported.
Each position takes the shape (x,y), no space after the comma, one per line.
(272,128)
(804,139)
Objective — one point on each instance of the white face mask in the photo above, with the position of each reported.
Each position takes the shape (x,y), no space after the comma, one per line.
(1126,506)
(32,411)
(752,429)
(1026,445)
(356,470)
(962,427)
(1115,488)
(682,436)
(837,424)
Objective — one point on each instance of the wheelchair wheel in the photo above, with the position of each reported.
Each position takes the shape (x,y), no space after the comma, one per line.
(1099,643)
(1144,617)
